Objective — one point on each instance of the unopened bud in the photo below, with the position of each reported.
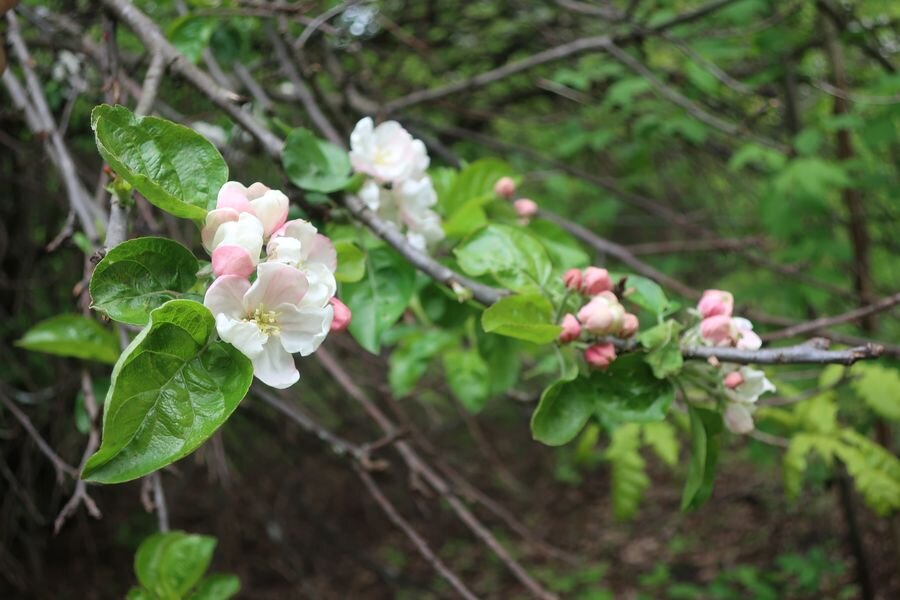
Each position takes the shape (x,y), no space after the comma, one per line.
(342,316)
(525,208)
(596,280)
(505,187)
(630,325)
(571,329)
(600,356)
(733,379)
(572,279)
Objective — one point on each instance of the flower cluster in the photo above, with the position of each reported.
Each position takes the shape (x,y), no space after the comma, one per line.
(290,306)
(743,385)
(601,316)
(398,189)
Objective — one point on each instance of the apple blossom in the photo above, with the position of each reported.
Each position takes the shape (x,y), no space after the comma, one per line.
(733,379)
(744,336)
(715,302)
(505,187)
(716,330)
(269,320)
(525,208)
(234,240)
(408,206)
(571,329)
(572,279)
(596,280)
(602,315)
(600,356)
(342,315)
(753,385)
(738,418)
(298,244)
(387,152)
(268,205)
(630,325)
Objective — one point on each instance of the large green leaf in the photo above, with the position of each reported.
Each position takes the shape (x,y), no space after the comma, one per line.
(564,408)
(171,389)
(169,565)
(515,258)
(705,428)
(410,359)
(351,261)
(879,388)
(468,377)
(72,335)
(378,300)
(565,252)
(172,166)
(525,317)
(628,392)
(313,164)
(664,355)
(140,275)
(473,186)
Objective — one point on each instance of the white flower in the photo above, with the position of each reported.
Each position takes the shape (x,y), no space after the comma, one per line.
(234,240)
(746,338)
(268,205)
(738,418)
(299,245)
(754,385)
(269,320)
(386,152)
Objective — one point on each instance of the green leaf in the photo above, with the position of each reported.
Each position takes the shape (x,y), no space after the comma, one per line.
(662,438)
(629,477)
(72,335)
(705,428)
(378,300)
(351,262)
(468,377)
(172,166)
(217,587)
(628,392)
(473,186)
(170,564)
(564,408)
(665,353)
(879,387)
(525,317)
(191,35)
(513,257)
(313,164)
(140,275)
(565,252)
(171,389)
(646,293)
(410,359)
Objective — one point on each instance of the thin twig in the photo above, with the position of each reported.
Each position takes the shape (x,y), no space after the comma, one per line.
(151,84)
(61,467)
(813,352)
(817,325)
(159,501)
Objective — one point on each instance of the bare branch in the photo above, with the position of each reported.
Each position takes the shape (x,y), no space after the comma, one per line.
(61,467)
(814,351)
(818,324)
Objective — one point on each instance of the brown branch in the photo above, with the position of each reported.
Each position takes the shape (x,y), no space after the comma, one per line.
(825,322)
(417,540)
(418,466)
(814,351)
(61,467)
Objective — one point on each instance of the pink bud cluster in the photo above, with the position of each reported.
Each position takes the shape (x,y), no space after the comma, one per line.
(719,328)
(602,315)
(525,208)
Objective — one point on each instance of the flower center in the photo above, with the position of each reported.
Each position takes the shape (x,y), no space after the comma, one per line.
(265,320)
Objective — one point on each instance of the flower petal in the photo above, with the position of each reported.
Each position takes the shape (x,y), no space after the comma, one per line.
(234,195)
(276,284)
(303,330)
(226,296)
(322,285)
(214,219)
(322,251)
(229,259)
(274,366)
(271,209)
(256,190)
(243,335)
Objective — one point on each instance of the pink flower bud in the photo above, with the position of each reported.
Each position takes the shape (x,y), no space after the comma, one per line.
(601,317)
(342,316)
(600,356)
(505,187)
(630,325)
(733,379)
(525,208)
(571,329)
(716,330)
(596,280)
(572,279)
(715,302)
